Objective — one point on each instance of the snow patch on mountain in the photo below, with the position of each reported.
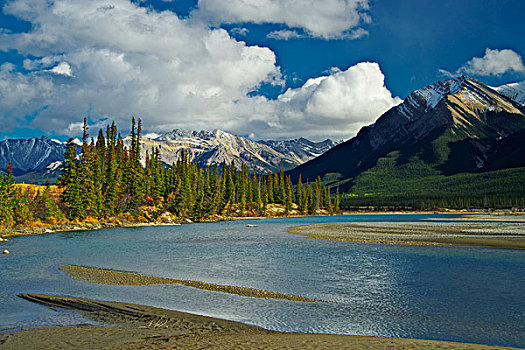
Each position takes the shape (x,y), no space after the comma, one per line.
(434,93)
(514,91)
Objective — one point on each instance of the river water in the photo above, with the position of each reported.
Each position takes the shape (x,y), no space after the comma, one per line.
(460,294)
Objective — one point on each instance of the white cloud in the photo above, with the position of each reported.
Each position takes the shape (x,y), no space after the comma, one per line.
(63,68)
(239,31)
(495,62)
(446,73)
(326,19)
(123,60)
(126,60)
(338,104)
(357,34)
(284,34)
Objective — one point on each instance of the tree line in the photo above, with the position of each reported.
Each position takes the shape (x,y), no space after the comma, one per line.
(107,178)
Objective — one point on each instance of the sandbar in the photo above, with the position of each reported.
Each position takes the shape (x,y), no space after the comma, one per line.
(480,231)
(122,278)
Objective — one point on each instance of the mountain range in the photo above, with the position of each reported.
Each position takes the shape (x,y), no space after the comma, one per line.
(457,135)
(207,148)
(36,159)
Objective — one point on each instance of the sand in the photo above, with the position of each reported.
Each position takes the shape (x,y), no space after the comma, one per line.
(144,327)
(495,232)
(121,278)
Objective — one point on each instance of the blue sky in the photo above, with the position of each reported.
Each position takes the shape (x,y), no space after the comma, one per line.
(266,69)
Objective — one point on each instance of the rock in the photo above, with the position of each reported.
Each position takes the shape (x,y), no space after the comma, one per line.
(166,218)
(5,251)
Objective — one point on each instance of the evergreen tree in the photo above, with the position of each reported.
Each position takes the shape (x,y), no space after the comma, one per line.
(69,180)
(289,195)
(337,201)
(269,189)
(6,198)
(300,194)
(86,177)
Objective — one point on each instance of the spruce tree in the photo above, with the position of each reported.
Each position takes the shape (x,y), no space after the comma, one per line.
(337,201)
(6,198)
(86,177)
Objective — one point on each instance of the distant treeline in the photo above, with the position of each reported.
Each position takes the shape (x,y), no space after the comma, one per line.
(437,202)
(109,179)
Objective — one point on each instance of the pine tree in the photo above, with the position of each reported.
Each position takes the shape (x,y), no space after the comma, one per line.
(300,194)
(269,189)
(289,195)
(135,186)
(312,202)
(69,180)
(6,198)
(86,177)
(337,201)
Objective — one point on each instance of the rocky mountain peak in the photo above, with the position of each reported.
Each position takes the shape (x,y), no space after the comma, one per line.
(458,102)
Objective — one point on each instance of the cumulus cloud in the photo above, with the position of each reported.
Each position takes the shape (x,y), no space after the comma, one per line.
(327,19)
(494,63)
(341,102)
(126,60)
(284,34)
(109,62)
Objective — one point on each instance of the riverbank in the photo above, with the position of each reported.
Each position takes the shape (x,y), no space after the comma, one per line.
(495,231)
(128,220)
(133,326)
(148,216)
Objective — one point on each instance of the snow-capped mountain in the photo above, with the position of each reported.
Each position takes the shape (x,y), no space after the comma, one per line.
(28,155)
(301,149)
(209,147)
(452,126)
(514,91)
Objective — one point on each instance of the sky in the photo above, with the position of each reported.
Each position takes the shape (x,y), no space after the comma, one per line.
(265,69)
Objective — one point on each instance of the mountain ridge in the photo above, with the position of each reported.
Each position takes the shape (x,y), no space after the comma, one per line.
(34,160)
(445,128)
(28,155)
(209,147)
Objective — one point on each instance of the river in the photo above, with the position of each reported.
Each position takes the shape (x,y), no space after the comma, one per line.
(463,294)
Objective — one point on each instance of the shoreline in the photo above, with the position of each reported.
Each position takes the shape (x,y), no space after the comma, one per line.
(506,232)
(132,326)
(119,222)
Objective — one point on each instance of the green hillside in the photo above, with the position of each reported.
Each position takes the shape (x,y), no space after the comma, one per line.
(417,185)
